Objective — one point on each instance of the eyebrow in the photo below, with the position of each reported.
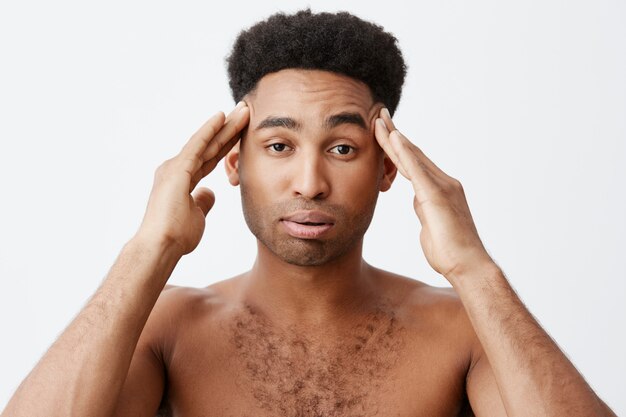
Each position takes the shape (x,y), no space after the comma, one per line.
(274,121)
(331,122)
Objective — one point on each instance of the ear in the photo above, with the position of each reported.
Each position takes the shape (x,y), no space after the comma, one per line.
(231,163)
(389,173)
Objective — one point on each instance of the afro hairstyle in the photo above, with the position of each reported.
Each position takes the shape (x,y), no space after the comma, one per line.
(336,42)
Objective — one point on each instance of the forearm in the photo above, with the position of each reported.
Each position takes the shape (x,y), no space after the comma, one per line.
(83,371)
(534,377)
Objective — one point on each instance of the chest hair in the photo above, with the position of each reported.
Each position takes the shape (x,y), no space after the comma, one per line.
(295,373)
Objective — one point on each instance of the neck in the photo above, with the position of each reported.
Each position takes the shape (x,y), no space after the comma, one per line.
(308,294)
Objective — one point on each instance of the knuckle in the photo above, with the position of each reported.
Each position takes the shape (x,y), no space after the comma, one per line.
(189,164)
(213,129)
(455,185)
(169,161)
(396,132)
(163,166)
(159,170)
(449,186)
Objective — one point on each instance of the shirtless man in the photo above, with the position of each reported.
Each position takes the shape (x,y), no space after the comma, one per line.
(311,329)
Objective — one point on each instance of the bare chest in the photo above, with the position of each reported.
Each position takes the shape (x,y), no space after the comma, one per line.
(377,367)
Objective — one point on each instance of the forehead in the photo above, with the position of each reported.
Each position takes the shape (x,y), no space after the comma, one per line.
(308,93)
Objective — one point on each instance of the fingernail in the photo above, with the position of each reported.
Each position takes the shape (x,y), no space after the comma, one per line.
(382,123)
(240,105)
(386,112)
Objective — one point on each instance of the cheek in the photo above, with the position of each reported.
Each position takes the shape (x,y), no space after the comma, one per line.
(360,184)
(260,180)
(369,166)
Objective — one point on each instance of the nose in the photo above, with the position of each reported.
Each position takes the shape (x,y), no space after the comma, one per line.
(309,179)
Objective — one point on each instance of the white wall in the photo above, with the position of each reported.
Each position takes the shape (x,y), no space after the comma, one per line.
(523,102)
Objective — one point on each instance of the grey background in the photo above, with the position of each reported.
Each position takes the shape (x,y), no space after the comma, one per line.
(523,102)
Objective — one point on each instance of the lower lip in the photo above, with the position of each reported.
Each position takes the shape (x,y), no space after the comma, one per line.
(304,231)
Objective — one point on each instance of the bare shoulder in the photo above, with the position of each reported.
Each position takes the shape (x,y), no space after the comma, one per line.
(436,310)
(176,302)
(417,297)
(177,310)
(440,337)
(184,304)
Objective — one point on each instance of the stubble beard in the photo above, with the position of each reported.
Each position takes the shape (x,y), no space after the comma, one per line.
(264,223)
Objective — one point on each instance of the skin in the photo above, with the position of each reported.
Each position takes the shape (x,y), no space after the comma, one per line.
(311,329)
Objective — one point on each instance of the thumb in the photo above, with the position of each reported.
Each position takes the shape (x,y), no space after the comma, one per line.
(204,198)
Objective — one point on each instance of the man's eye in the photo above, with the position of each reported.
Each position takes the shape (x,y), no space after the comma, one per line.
(277,147)
(343,149)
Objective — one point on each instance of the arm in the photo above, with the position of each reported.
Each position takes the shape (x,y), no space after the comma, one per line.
(145,383)
(532,376)
(83,372)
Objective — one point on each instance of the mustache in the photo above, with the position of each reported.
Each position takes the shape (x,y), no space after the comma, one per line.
(283,208)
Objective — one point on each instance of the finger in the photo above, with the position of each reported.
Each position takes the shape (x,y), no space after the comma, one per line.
(424,182)
(382,136)
(209,166)
(435,170)
(204,198)
(199,140)
(394,151)
(235,122)
(210,138)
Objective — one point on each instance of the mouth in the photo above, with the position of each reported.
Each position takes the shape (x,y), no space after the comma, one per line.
(308,224)
(310,217)
(306,230)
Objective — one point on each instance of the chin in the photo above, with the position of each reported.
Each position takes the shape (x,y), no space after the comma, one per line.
(307,252)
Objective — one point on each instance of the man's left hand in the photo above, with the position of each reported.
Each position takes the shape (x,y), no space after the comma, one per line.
(449,237)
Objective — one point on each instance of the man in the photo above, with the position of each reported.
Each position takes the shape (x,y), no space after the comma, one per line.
(311,329)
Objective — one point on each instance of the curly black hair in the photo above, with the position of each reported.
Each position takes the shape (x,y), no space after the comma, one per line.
(337,42)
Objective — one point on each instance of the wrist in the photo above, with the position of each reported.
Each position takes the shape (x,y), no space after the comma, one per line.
(163,248)
(150,261)
(473,271)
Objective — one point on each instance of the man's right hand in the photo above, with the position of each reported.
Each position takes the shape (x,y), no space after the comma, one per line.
(175,215)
